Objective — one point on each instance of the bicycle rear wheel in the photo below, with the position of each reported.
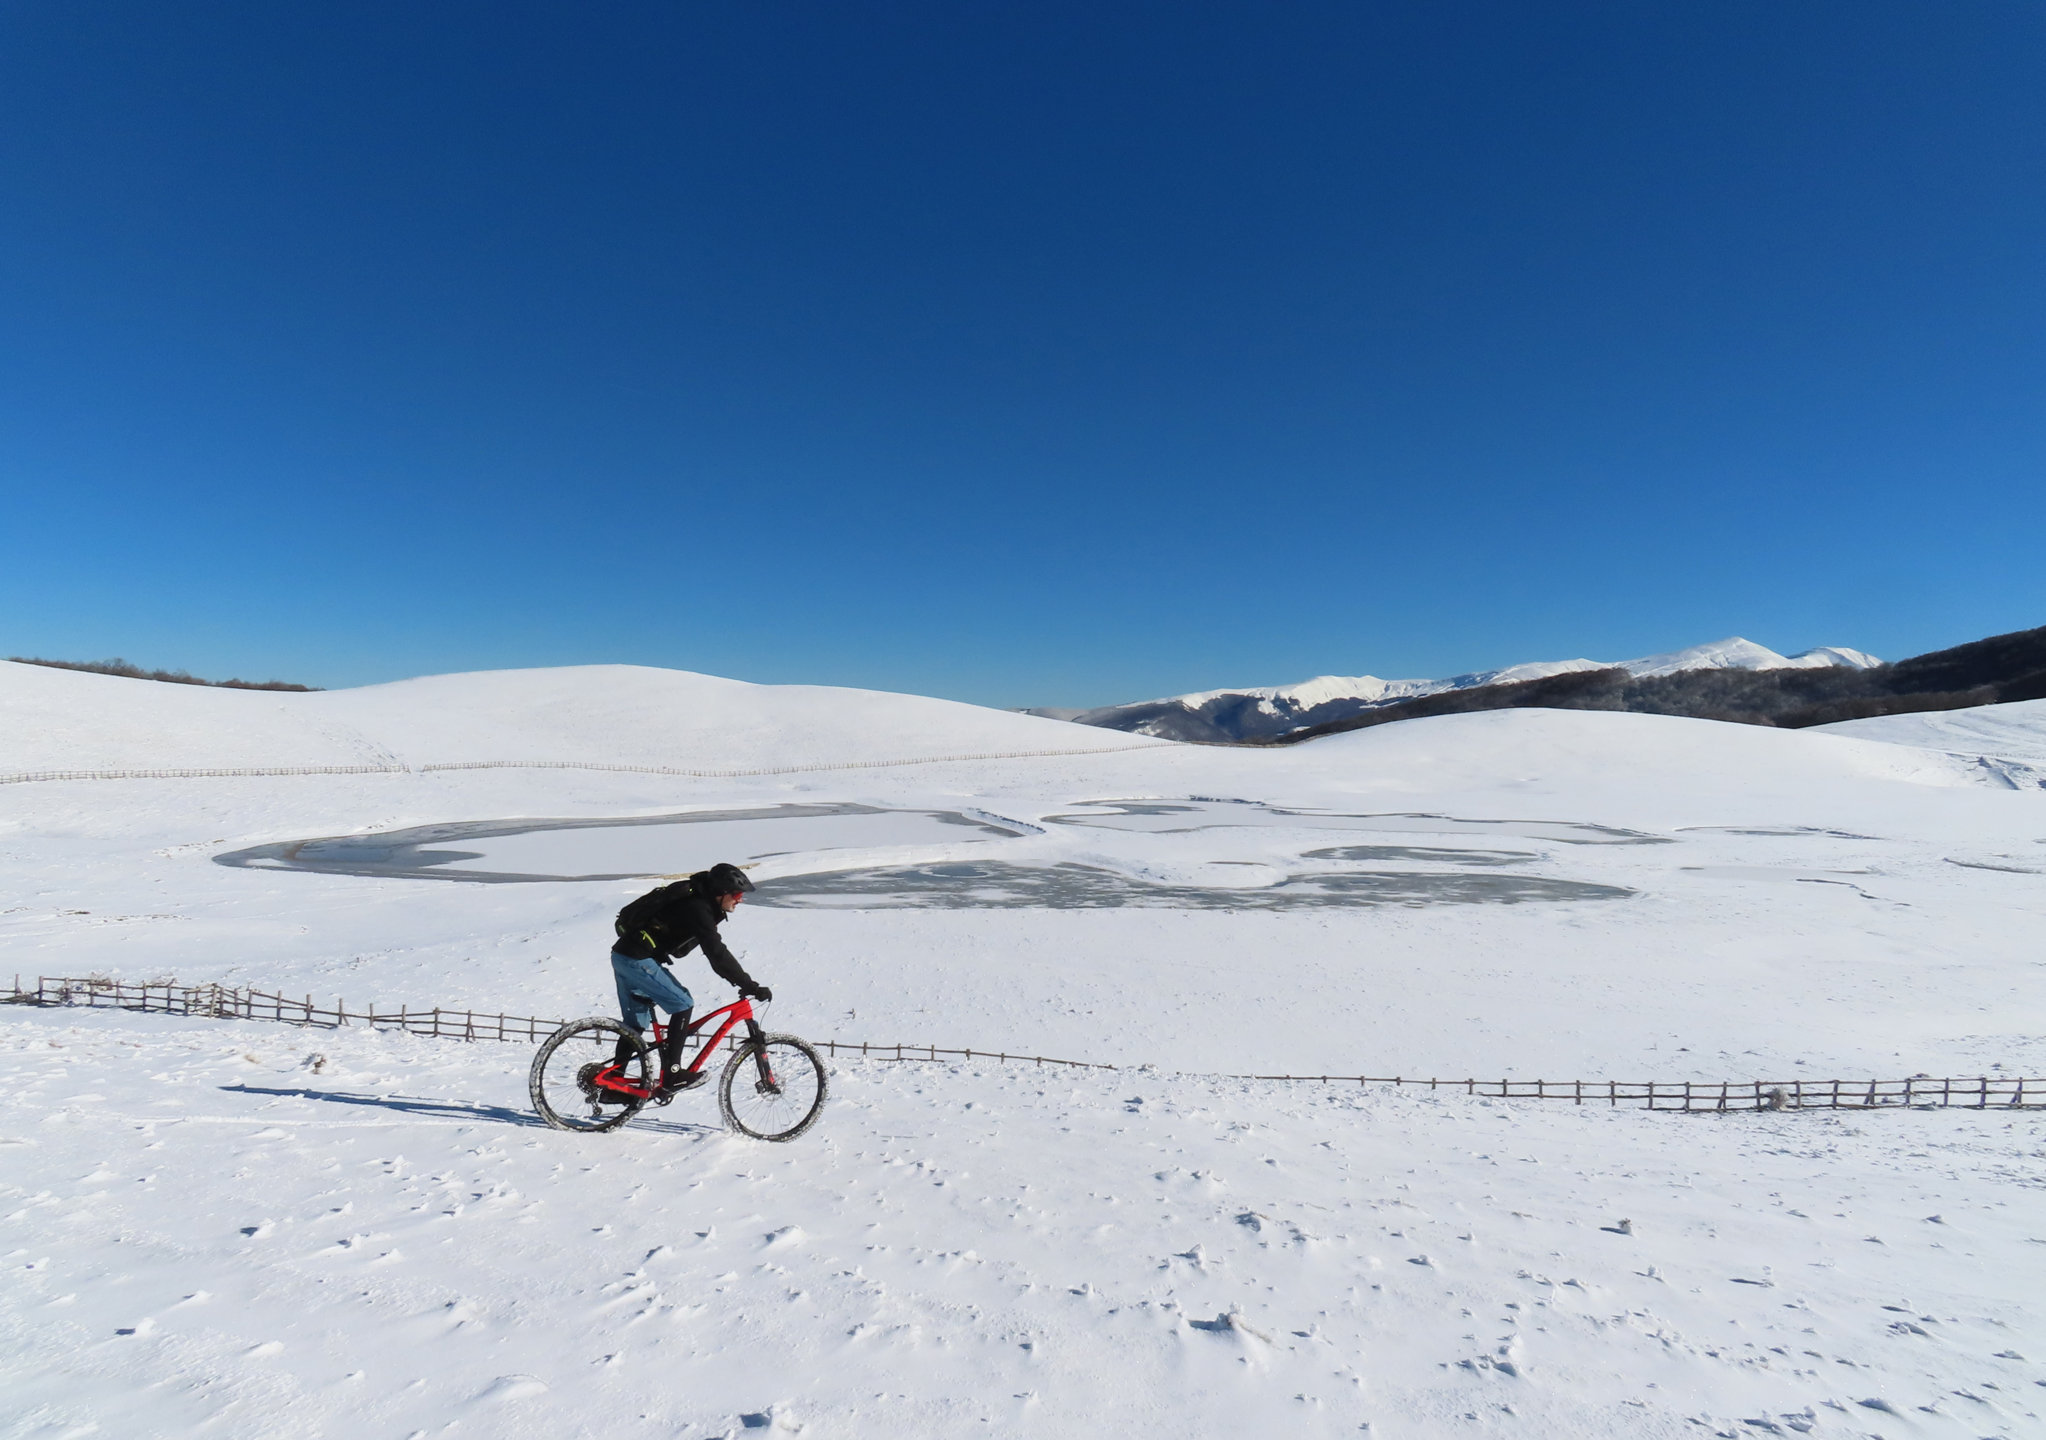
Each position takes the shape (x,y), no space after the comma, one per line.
(773,1090)
(575,1073)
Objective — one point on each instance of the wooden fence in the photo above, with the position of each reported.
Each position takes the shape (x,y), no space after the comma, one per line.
(867,1051)
(1978,1092)
(220,1002)
(166,997)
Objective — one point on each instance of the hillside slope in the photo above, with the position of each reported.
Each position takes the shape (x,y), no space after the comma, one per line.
(616,714)
(2016,730)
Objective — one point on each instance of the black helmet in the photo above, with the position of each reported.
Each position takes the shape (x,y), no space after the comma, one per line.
(727,879)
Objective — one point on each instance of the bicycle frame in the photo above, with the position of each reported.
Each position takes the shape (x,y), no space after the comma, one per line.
(739,1012)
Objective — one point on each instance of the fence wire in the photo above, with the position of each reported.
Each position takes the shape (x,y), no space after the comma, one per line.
(1921,1092)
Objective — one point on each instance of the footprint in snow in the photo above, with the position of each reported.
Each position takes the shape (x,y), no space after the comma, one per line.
(511,1387)
(1230,1322)
(774,1417)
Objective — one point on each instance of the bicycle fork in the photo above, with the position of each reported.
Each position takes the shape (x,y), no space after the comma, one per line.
(756,1039)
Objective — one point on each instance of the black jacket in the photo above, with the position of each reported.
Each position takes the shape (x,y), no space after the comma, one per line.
(672,921)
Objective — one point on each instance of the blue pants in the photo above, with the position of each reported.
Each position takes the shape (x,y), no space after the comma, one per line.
(643,984)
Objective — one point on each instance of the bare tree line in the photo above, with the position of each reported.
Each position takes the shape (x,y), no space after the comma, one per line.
(171,677)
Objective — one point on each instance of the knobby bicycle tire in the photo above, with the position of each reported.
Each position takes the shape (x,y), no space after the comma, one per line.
(785,1112)
(558,1081)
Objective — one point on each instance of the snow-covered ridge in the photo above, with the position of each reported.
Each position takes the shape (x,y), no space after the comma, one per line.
(1264,710)
(593,714)
(2015,730)
(1733,653)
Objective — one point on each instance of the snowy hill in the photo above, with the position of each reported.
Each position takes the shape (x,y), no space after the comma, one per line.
(1264,712)
(2016,730)
(246,1229)
(618,714)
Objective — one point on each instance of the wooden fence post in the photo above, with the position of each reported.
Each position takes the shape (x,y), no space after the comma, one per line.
(219,1002)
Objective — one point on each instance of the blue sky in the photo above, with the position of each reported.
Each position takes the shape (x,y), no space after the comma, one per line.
(1021,353)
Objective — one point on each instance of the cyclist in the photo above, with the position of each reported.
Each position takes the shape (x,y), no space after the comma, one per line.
(657,927)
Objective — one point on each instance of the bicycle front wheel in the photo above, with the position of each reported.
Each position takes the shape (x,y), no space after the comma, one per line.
(576,1076)
(773,1089)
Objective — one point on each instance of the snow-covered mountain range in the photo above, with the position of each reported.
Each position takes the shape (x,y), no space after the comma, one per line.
(1263,712)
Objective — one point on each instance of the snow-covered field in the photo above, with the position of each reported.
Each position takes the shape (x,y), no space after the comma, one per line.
(2014,731)
(251,1230)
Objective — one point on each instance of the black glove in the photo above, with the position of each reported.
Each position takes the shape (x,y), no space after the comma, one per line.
(752,991)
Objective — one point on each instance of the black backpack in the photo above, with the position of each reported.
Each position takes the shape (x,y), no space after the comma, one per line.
(642,916)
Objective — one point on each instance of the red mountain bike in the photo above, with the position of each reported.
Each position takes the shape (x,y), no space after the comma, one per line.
(772,1088)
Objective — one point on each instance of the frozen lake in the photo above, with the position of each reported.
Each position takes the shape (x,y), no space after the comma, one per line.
(650,846)
(1173,817)
(642,846)
(994,885)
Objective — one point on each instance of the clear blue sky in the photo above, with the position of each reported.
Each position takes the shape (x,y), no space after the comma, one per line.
(1030,353)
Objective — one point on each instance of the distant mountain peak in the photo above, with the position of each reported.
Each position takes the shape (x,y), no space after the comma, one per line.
(1737,653)
(1263,712)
